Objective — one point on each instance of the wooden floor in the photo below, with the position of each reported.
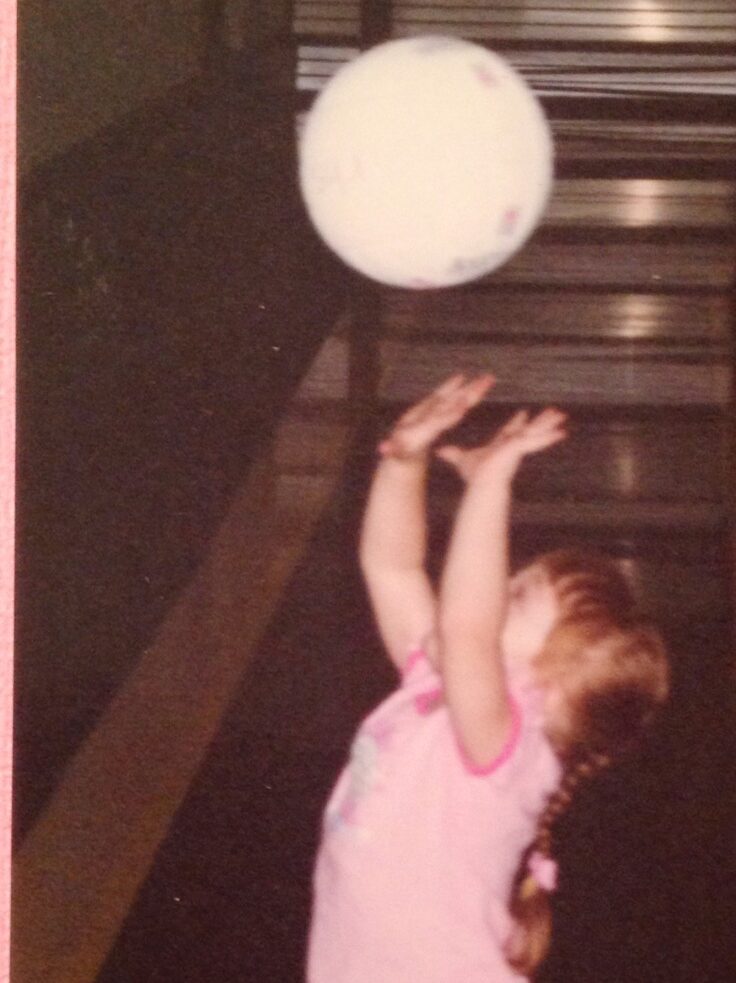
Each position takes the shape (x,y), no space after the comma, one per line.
(177,842)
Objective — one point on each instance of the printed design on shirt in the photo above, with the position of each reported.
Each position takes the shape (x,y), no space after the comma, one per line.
(363,774)
(428,701)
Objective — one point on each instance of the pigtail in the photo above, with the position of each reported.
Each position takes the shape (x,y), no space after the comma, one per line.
(530,907)
(609,667)
(536,876)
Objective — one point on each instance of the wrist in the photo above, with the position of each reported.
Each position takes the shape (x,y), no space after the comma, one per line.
(403,458)
(495,472)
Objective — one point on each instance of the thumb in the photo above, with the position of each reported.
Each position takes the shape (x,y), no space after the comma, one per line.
(390,447)
(450,454)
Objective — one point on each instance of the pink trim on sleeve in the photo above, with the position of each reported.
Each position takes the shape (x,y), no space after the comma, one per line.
(506,751)
(426,702)
(415,655)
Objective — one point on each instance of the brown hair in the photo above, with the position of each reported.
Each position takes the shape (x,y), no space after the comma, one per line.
(609,665)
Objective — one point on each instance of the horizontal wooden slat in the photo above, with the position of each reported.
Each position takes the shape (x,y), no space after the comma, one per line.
(558,373)
(574,33)
(542,373)
(317,64)
(627,74)
(611,318)
(601,6)
(648,146)
(641,203)
(607,74)
(344,13)
(636,19)
(327,8)
(663,468)
(637,266)
(613,22)
(327,19)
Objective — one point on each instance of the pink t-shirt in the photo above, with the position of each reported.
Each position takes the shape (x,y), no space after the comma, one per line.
(419,850)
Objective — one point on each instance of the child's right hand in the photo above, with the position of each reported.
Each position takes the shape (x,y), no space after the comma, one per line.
(420,426)
(507,448)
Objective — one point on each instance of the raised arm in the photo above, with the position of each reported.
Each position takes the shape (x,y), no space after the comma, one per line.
(392,555)
(393,539)
(472,603)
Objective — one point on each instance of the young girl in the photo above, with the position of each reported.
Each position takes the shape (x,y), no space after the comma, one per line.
(437,854)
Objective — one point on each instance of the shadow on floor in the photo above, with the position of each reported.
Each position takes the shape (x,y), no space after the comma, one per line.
(162,328)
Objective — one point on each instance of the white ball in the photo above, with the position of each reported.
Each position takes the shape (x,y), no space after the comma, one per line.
(426,162)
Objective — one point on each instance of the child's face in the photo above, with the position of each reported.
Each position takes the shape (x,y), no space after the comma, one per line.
(531,614)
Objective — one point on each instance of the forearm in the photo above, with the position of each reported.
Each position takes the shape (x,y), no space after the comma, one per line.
(475,575)
(474,585)
(472,609)
(394,535)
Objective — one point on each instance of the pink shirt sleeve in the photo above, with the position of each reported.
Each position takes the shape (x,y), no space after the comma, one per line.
(426,701)
(506,751)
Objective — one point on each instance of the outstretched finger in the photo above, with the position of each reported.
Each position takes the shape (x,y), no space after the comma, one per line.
(549,417)
(459,387)
(542,439)
(417,412)
(449,408)
(450,385)
(477,388)
(451,454)
(445,395)
(516,423)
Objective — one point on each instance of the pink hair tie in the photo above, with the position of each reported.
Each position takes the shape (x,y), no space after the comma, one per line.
(543,870)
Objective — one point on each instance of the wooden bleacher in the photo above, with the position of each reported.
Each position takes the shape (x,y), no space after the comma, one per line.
(619,307)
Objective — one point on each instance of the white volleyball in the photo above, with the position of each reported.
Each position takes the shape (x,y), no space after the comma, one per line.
(425,162)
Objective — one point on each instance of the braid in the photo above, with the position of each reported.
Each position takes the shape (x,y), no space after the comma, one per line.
(575,774)
(529,904)
(608,667)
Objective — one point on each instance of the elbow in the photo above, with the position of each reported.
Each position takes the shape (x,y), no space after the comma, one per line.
(363,559)
(370,563)
(381,562)
(369,557)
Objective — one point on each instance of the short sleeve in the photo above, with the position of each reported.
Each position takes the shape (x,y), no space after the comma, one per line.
(506,752)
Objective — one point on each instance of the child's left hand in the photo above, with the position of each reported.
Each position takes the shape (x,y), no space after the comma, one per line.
(503,453)
(420,426)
